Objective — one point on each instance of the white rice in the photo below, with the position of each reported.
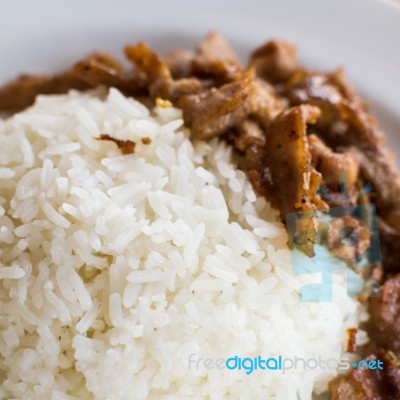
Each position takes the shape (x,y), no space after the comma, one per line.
(115,268)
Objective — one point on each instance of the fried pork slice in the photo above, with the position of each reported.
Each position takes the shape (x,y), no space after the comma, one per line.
(337,78)
(345,124)
(385,315)
(158,76)
(97,69)
(285,174)
(331,164)
(102,69)
(378,384)
(250,133)
(21,93)
(385,332)
(216,59)
(390,246)
(367,384)
(275,61)
(179,63)
(215,111)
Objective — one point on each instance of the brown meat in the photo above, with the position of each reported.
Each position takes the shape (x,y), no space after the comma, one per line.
(392,372)
(158,76)
(285,175)
(337,78)
(331,164)
(385,333)
(215,46)
(347,388)
(377,167)
(102,69)
(215,111)
(346,126)
(343,119)
(97,69)
(179,63)
(21,93)
(104,61)
(250,134)
(287,170)
(385,321)
(390,245)
(367,384)
(275,61)
(216,59)
(385,315)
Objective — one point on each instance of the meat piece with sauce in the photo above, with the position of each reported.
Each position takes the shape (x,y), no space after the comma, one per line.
(179,62)
(250,134)
(21,93)
(95,70)
(385,315)
(216,59)
(285,174)
(332,164)
(159,79)
(345,125)
(368,384)
(275,61)
(379,384)
(213,112)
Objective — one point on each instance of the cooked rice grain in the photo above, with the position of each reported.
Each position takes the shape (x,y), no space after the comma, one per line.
(114,269)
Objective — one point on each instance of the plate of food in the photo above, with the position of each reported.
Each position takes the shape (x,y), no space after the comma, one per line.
(199,201)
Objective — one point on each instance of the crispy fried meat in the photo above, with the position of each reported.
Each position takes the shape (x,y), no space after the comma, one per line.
(275,61)
(213,112)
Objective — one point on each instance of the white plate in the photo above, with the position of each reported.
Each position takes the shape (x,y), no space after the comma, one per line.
(361,35)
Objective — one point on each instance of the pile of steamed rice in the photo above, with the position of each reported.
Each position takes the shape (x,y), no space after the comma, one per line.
(114,268)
